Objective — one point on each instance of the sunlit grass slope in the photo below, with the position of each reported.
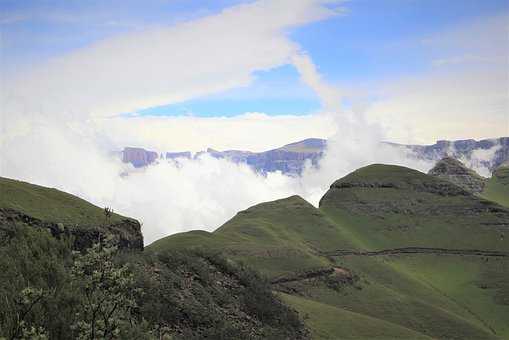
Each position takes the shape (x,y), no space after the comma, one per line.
(405,296)
(280,237)
(497,188)
(51,205)
(392,207)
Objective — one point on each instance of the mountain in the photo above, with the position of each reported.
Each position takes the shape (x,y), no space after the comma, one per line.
(391,253)
(291,158)
(62,214)
(452,170)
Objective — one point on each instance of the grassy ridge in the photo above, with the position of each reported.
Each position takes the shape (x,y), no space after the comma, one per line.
(276,238)
(51,205)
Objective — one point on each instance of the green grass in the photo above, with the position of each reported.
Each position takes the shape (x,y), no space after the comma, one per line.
(497,188)
(478,285)
(329,322)
(406,296)
(413,209)
(277,238)
(50,205)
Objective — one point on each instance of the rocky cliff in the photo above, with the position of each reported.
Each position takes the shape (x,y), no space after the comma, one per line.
(138,157)
(291,159)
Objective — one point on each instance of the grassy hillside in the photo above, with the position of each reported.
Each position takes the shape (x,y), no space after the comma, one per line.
(60,213)
(497,188)
(277,238)
(394,207)
(48,291)
(50,205)
(453,286)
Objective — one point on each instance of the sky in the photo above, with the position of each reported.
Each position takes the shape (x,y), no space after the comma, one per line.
(377,53)
(83,79)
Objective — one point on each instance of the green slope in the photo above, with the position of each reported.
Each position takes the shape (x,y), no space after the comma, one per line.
(50,205)
(60,213)
(497,188)
(277,238)
(329,322)
(393,207)
(315,257)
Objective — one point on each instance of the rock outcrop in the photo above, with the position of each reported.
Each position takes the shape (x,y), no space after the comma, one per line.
(126,234)
(454,171)
(138,157)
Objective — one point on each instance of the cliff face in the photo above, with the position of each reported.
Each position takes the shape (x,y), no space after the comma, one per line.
(138,157)
(455,172)
(291,159)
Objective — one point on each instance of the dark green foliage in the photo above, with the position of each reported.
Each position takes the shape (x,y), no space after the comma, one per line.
(34,284)
(49,292)
(211,298)
(41,298)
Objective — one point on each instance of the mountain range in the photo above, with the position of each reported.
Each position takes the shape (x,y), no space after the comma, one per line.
(290,159)
(389,253)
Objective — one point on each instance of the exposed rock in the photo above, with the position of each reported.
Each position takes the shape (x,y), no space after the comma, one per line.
(291,159)
(174,155)
(455,172)
(138,157)
(126,233)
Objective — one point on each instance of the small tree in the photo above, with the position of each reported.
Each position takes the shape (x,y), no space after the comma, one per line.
(29,297)
(109,295)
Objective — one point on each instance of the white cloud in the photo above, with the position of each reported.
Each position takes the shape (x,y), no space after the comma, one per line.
(167,65)
(250,131)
